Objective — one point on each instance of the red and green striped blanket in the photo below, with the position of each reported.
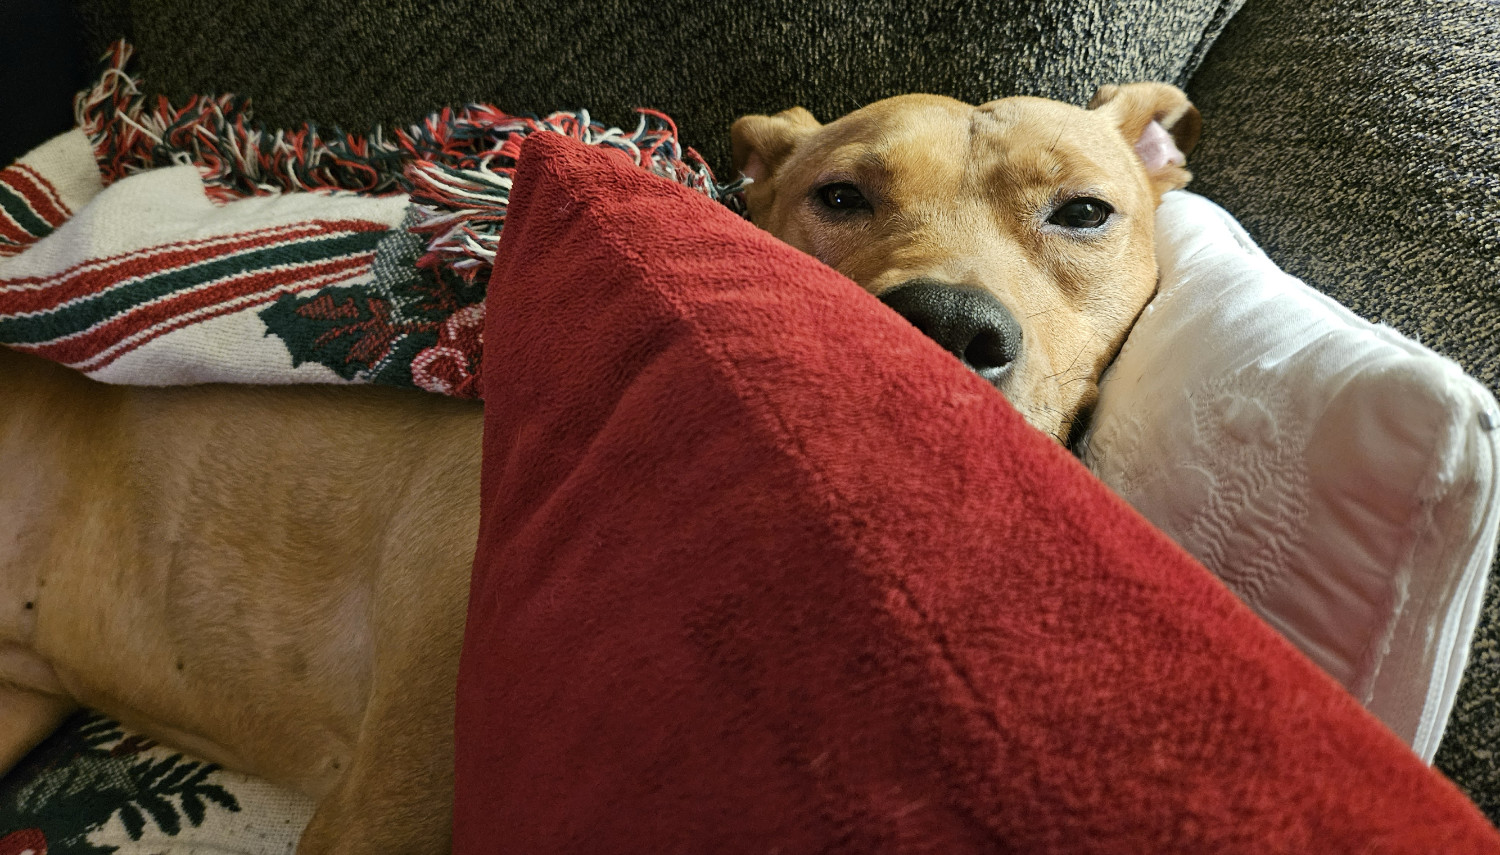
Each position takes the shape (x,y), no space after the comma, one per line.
(162,244)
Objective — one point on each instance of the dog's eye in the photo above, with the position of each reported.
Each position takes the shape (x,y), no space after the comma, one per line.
(843,197)
(1081,214)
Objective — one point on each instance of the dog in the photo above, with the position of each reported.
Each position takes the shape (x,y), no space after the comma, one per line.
(1018,234)
(272,578)
(228,569)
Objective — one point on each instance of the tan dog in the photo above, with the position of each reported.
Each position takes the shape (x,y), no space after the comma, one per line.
(276,578)
(271,578)
(1019,234)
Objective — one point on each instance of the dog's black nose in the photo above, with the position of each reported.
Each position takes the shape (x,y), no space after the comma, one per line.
(968,322)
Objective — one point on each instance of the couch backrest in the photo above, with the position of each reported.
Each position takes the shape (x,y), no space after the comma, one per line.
(356,64)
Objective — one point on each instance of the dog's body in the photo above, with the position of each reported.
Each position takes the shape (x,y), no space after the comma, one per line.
(276,579)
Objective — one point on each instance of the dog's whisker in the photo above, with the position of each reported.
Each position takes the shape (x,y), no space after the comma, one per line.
(1084,347)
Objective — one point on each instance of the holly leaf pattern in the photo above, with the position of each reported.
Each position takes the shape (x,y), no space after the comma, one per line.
(135,823)
(371,332)
(90,772)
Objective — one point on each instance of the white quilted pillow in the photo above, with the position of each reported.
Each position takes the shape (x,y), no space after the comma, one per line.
(1339,477)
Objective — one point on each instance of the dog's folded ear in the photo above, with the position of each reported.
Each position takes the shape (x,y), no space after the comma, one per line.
(760,143)
(1162,124)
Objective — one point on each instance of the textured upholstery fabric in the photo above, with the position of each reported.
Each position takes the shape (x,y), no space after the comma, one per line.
(356,64)
(1357,143)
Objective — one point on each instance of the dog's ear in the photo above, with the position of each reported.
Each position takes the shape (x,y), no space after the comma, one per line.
(760,143)
(1162,124)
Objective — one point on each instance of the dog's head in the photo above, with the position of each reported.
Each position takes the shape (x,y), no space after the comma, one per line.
(1019,234)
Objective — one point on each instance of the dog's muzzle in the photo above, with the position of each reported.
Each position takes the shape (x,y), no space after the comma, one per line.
(968,322)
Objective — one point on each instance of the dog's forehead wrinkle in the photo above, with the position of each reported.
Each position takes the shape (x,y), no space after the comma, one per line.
(1022,144)
(872,159)
(984,122)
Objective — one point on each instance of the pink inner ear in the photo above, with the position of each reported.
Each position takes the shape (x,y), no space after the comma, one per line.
(1156,149)
(755,168)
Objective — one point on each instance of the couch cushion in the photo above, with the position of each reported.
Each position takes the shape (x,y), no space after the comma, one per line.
(1356,143)
(392,61)
(761,567)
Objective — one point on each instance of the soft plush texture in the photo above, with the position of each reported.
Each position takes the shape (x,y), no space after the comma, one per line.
(1339,477)
(1357,144)
(392,61)
(761,567)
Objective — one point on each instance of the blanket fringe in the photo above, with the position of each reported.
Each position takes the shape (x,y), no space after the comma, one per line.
(462,196)
(457,165)
(236,158)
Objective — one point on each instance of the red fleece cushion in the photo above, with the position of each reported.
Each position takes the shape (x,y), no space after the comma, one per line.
(761,569)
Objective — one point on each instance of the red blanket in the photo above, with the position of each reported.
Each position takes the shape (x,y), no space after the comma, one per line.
(762,569)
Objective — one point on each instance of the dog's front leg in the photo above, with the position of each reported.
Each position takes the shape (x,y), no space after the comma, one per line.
(26,718)
(396,797)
